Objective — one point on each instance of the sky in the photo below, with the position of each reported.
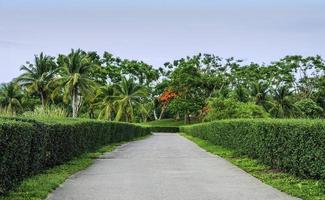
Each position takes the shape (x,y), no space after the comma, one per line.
(157,31)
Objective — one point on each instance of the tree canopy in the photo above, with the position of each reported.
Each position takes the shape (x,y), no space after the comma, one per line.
(201,87)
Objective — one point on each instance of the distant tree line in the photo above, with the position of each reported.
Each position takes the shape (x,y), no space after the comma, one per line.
(202,87)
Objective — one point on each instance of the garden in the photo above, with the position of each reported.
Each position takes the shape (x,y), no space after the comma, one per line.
(268,119)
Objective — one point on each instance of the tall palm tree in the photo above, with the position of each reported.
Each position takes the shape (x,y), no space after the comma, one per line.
(129,95)
(75,78)
(283,106)
(10,97)
(107,98)
(37,77)
(260,92)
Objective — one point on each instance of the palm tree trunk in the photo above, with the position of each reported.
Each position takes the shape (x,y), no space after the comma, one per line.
(186,117)
(42,100)
(75,102)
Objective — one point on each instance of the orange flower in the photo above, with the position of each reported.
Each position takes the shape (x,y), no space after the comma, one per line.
(166,96)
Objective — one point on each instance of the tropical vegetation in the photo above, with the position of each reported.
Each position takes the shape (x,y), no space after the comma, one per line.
(203,87)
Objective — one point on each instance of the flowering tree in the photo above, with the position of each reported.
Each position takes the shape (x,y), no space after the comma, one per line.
(164,100)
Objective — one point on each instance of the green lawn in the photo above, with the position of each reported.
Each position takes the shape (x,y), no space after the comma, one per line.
(39,186)
(306,189)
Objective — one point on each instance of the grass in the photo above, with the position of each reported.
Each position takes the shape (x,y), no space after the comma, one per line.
(165,123)
(39,186)
(307,189)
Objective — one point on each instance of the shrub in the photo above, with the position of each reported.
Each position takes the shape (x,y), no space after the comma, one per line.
(164,129)
(219,108)
(47,112)
(4,112)
(295,146)
(28,146)
(309,108)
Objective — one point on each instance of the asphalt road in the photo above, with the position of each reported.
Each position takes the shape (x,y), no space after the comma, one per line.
(163,167)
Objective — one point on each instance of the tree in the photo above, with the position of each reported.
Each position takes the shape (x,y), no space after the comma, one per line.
(241,94)
(10,97)
(75,78)
(139,71)
(283,105)
(186,81)
(106,103)
(37,76)
(309,108)
(129,95)
(164,100)
(259,91)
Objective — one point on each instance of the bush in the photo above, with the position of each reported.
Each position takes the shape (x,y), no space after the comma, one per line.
(295,146)
(164,129)
(219,108)
(28,146)
(309,108)
(47,112)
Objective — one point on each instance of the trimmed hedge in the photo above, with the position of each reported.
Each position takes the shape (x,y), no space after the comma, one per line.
(295,146)
(163,129)
(28,146)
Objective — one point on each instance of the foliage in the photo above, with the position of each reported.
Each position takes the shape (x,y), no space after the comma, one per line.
(10,97)
(283,105)
(294,146)
(219,108)
(4,112)
(107,96)
(186,81)
(164,125)
(128,95)
(37,77)
(309,108)
(164,122)
(89,85)
(28,146)
(75,77)
(50,111)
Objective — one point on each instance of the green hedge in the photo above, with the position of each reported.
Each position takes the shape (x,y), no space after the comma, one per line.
(28,146)
(163,129)
(295,146)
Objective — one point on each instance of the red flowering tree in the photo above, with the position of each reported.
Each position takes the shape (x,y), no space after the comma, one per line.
(164,100)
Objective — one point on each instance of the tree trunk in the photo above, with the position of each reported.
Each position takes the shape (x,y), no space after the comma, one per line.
(42,96)
(177,116)
(155,114)
(162,111)
(186,118)
(75,102)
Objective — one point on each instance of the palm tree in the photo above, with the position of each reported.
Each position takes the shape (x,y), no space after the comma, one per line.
(145,109)
(10,96)
(283,106)
(129,95)
(37,77)
(260,92)
(107,98)
(241,94)
(75,78)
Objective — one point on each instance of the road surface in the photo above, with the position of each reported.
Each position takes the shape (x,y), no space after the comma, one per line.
(164,166)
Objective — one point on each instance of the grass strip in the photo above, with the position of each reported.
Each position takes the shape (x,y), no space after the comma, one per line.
(38,187)
(307,189)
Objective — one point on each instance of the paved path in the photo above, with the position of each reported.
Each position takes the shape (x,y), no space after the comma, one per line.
(163,167)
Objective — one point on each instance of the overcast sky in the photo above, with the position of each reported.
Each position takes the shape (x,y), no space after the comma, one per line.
(161,30)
